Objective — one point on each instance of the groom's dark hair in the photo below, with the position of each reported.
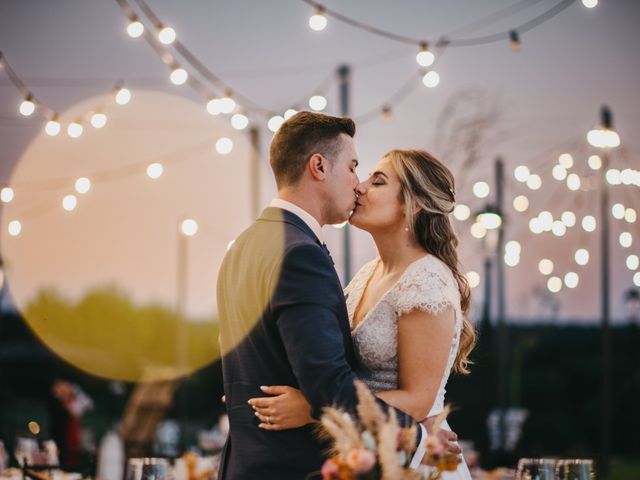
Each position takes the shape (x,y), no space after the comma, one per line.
(301,136)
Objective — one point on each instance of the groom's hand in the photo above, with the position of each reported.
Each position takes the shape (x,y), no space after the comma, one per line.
(445,437)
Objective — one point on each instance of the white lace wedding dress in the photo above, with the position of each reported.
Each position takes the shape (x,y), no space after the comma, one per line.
(427,284)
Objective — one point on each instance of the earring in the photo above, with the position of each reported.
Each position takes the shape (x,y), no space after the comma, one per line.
(406,229)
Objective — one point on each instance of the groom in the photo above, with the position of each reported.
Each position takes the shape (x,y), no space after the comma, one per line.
(282,314)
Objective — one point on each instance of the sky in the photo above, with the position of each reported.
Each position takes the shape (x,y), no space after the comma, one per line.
(536,104)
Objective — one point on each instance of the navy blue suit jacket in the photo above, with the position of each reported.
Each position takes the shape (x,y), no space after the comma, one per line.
(283,321)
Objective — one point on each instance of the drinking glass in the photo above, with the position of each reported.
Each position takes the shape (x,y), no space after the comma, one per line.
(575,469)
(148,468)
(536,469)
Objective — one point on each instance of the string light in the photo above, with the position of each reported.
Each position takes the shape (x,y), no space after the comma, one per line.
(625,239)
(589,223)
(461,212)
(135,28)
(69,203)
(573,182)
(318,103)
(7,194)
(478,231)
(514,41)
(559,172)
(14,228)
(545,266)
(521,203)
(425,58)
(571,280)
(633,262)
(595,162)
(618,211)
(481,189)
(512,253)
(214,106)
(179,76)
(166,35)
(224,145)
(52,128)
(590,3)
(239,121)
(318,21)
(554,284)
(613,176)
(582,256)
(189,227)
(83,185)
(274,123)
(521,173)
(289,113)
(534,182)
(636,279)
(558,228)
(227,104)
(123,96)
(546,220)
(27,107)
(566,160)
(155,170)
(431,79)
(630,215)
(489,220)
(535,226)
(568,218)
(473,278)
(75,129)
(98,120)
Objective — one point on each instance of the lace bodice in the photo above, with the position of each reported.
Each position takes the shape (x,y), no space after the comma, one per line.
(427,284)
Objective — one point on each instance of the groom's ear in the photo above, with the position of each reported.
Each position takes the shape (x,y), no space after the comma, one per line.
(318,166)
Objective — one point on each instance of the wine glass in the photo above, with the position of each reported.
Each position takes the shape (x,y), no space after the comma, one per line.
(536,469)
(148,468)
(575,469)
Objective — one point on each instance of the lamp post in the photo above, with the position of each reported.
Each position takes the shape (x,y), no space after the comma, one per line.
(604,137)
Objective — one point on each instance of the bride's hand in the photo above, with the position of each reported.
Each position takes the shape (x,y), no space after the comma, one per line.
(445,437)
(286,409)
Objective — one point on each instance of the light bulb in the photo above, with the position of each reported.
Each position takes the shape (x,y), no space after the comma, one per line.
(318,21)
(559,172)
(636,279)
(318,103)
(461,212)
(590,3)
(581,256)
(633,262)
(513,247)
(571,280)
(69,203)
(625,239)
(595,162)
(535,226)
(123,96)
(83,185)
(478,231)
(613,176)
(52,127)
(431,79)
(511,259)
(566,160)
(618,211)
(179,76)
(424,57)
(534,182)
(473,278)
(558,228)
(275,122)
(545,266)
(167,35)
(214,107)
(589,223)
(155,170)
(554,284)
(27,107)
(521,173)
(135,28)
(239,121)
(6,194)
(98,120)
(481,189)
(224,145)
(75,129)
(630,215)
(14,228)
(568,218)
(573,182)
(227,104)
(521,203)
(189,227)
(289,113)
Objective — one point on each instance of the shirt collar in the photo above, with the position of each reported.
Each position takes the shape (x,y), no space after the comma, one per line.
(305,216)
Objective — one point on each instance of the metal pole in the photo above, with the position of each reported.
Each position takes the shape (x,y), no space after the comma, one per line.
(254,135)
(502,328)
(606,334)
(344,77)
(181,334)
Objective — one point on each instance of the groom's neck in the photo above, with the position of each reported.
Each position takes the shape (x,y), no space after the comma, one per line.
(303,199)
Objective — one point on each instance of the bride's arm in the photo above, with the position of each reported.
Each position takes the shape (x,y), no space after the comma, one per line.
(424,344)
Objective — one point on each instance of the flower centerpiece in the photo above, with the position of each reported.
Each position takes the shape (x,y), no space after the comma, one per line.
(374,446)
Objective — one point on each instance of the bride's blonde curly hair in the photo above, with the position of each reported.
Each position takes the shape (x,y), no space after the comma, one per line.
(428,194)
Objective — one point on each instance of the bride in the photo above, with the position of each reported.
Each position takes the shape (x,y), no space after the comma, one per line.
(407,307)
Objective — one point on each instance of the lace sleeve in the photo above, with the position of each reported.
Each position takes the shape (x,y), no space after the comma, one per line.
(429,288)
